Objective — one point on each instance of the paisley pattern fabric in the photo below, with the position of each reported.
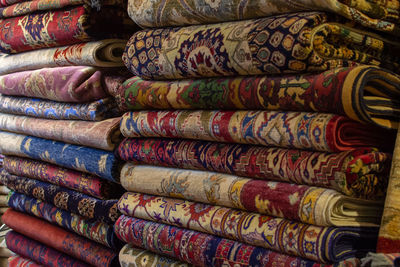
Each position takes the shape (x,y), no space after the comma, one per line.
(105,53)
(208,250)
(313,205)
(60,239)
(251,228)
(360,173)
(39,108)
(290,43)
(18,261)
(100,134)
(37,252)
(78,181)
(90,160)
(74,202)
(380,15)
(94,230)
(363,93)
(316,131)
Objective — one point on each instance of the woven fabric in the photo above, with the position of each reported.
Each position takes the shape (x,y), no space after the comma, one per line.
(105,53)
(358,173)
(290,43)
(38,253)
(39,108)
(381,260)
(97,231)
(307,241)
(90,160)
(364,93)
(4,190)
(380,15)
(100,134)
(18,261)
(92,208)
(78,181)
(4,3)
(64,84)
(60,239)
(313,205)
(4,251)
(316,131)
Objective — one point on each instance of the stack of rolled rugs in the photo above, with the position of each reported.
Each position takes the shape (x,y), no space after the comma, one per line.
(59,126)
(257,133)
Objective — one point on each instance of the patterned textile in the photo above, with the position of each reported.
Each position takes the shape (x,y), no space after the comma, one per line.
(105,53)
(54,28)
(90,160)
(208,250)
(39,108)
(78,181)
(92,208)
(290,43)
(101,134)
(359,173)
(381,260)
(313,205)
(18,261)
(4,190)
(94,230)
(380,15)
(4,3)
(307,241)
(316,131)
(364,93)
(130,256)
(57,238)
(4,251)
(64,84)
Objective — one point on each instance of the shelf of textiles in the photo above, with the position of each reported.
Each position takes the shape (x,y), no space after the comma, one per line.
(221,133)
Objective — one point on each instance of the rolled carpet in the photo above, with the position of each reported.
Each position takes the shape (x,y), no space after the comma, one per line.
(92,229)
(381,260)
(18,261)
(78,181)
(315,131)
(208,250)
(363,93)
(359,173)
(104,53)
(4,190)
(4,3)
(4,251)
(285,44)
(69,200)
(313,205)
(39,108)
(103,134)
(90,160)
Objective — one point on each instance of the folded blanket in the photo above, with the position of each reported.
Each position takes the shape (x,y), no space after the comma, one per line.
(4,251)
(74,202)
(67,26)
(208,250)
(25,262)
(289,43)
(316,131)
(3,201)
(95,230)
(105,53)
(57,238)
(78,181)
(313,205)
(64,84)
(90,160)
(359,173)
(381,260)
(4,190)
(364,93)
(98,134)
(379,15)
(39,108)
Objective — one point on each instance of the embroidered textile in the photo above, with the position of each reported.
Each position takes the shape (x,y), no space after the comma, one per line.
(313,205)
(381,260)
(39,108)
(78,181)
(364,93)
(18,261)
(105,53)
(100,134)
(40,253)
(290,43)
(92,208)
(316,131)
(90,160)
(360,173)
(62,240)
(97,231)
